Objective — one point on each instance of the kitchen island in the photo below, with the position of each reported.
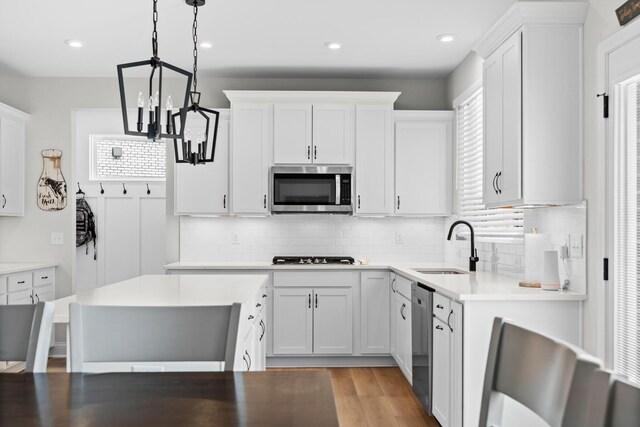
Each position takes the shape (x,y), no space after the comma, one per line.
(190,290)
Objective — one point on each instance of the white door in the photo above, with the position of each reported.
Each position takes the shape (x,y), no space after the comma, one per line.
(332,134)
(333,321)
(204,189)
(374,159)
(250,141)
(441,372)
(374,312)
(423,168)
(292,129)
(11,167)
(622,309)
(292,321)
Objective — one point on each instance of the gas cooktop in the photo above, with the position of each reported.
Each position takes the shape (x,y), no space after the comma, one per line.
(312,260)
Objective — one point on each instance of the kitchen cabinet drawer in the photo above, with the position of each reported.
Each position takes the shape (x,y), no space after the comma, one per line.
(19,281)
(21,297)
(403,286)
(46,276)
(441,307)
(312,279)
(3,284)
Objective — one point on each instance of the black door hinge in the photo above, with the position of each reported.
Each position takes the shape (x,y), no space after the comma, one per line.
(605,104)
(605,269)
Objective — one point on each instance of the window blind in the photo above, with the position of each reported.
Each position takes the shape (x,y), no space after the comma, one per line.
(626,318)
(497,223)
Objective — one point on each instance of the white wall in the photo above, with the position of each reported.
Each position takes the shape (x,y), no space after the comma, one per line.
(601,23)
(260,239)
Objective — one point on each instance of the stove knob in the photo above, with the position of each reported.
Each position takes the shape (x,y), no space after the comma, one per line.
(324,261)
(316,261)
(301,261)
(309,261)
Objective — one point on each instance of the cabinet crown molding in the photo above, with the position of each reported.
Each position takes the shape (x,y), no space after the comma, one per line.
(8,111)
(532,12)
(310,96)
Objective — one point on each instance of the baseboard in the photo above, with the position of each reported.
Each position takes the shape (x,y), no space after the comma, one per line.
(329,361)
(59,349)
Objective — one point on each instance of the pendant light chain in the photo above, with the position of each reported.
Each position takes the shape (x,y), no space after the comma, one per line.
(194,32)
(154,35)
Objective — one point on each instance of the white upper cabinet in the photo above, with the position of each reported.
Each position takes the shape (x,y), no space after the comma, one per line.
(318,133)
(250,154)
(12,166)
(292,129)
(374,159)
(332,133)
(204,189)
(423,162)
(532,78)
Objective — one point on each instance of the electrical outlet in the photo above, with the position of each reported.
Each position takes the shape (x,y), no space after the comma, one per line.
(575,246)
(399,239)
(234,239)
(57,238)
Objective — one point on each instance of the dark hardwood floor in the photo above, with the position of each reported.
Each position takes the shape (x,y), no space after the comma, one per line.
(364,397)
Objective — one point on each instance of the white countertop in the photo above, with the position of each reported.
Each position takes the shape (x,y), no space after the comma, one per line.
(17,267)
(167,290)
(479,286)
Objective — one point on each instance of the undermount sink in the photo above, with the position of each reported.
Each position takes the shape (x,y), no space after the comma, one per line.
(438,271)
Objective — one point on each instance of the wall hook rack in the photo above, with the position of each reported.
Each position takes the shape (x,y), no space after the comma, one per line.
(101,189)
(79,189)
(124,189)
(148,190)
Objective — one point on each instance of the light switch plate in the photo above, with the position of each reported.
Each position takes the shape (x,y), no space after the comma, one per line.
(575,246)
(57,238)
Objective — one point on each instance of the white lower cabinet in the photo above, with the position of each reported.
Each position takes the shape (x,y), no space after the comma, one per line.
(447,363)
(313,321)
(402,314)
(374,312)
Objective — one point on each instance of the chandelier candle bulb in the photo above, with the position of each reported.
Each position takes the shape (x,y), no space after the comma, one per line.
(140,111)
(152,119)
(169,113)
(156,104)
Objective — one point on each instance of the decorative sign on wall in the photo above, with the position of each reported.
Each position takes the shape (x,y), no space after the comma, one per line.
(52,188)
(628,11)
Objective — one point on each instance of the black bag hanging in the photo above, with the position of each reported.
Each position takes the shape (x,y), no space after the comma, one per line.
(85,225)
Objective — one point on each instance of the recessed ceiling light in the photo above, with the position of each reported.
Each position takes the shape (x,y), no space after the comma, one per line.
(206,45)
(74,43)
(446,38)
(333,45)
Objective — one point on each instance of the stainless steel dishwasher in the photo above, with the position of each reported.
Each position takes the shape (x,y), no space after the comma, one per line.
(422,343)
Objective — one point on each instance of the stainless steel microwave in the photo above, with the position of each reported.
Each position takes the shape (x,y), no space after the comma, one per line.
(309,189)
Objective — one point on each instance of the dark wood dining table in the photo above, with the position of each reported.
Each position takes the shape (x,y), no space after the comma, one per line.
(276,398)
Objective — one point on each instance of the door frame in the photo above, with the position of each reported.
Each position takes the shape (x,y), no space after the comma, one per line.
(603,292)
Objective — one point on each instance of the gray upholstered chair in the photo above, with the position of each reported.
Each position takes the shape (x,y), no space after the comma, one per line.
(126,339)
(25,334)
(546,375)
(614,401)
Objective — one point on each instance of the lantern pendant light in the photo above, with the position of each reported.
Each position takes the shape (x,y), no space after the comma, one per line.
(204,148)
(154,127)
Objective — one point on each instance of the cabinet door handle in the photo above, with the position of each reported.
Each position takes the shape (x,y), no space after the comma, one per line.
(245,361)
(258,305)
(264,295)
(224,202)
(4,201)
(309,300)
(358,201)
(21,282)
(38,297)
(439,306)
(44,277)
(398,202)
(32,300)
(315,152)
(449,321)
(494,183)
(264,329)
(316,300)
(498,182)
(392,283)
(264,201)
(308,152)
(248,357)
(251,317)
(402,311)
(440,328)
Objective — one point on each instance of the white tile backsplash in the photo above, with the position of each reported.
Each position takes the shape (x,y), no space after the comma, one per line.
(260,239)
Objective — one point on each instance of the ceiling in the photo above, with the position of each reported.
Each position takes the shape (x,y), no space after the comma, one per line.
(252,38)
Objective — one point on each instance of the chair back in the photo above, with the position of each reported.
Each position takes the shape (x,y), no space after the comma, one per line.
(614,401)
(25,334)
(544,374)
(115,338)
